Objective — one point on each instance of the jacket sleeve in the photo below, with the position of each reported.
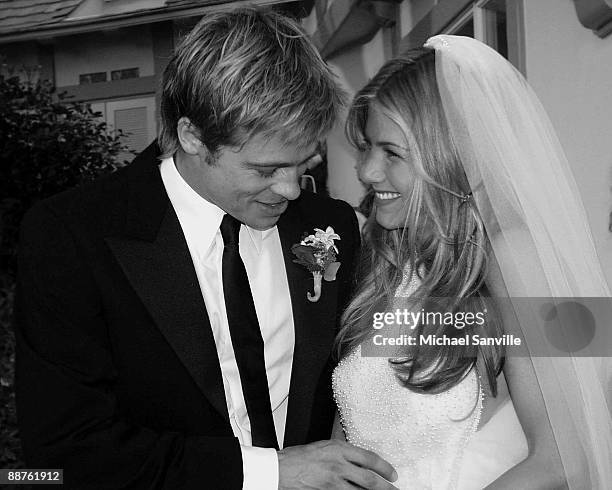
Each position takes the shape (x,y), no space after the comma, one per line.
(67,409)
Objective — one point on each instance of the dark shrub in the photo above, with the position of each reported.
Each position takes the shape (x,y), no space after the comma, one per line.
(47,145)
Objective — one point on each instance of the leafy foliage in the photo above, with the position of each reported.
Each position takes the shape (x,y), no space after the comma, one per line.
(9,442)
(48,145)
(305,255)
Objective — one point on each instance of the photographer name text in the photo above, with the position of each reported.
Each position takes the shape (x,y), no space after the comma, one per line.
(442,340)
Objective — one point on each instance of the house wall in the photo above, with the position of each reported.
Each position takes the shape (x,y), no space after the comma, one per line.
(130,104)
(354,68)
(411,12)
(20,54)
(566,65)
(570,69)
(28,60)
(103,51)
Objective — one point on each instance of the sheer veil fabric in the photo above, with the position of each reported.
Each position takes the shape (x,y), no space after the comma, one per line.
(524,189)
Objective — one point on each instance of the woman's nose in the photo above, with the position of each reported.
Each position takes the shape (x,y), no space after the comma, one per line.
(371,169)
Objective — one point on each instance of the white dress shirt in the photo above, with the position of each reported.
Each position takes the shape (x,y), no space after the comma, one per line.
(262,255)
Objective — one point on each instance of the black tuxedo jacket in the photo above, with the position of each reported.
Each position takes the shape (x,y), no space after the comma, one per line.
(118,379)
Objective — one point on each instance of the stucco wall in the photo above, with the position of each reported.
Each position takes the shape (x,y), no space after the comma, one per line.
(570,69)
(103,51)
(354,68)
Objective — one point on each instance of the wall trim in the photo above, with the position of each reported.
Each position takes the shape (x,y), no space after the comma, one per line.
(114,89)
(515,16)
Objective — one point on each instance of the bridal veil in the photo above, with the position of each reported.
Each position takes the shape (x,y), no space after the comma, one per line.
(523,187)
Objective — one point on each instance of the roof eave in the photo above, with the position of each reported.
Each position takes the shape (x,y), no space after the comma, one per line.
(78,26)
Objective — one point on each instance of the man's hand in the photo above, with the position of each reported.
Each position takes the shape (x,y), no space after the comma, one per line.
(333,465)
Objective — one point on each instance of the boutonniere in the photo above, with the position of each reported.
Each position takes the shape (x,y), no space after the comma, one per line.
(318,254)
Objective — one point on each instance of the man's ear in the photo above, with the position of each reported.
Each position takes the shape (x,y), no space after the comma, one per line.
(189,137)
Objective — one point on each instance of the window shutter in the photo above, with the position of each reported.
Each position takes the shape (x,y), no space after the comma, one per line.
(133,122)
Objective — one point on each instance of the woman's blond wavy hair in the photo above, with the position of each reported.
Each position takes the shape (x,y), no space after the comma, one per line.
(443,239)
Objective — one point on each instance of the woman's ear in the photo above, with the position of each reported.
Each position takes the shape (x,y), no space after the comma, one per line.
(189,137)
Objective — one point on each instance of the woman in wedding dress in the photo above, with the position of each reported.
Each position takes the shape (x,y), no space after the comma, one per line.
(474,201)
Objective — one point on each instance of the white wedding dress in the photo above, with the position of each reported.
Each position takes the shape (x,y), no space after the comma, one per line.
(433,441)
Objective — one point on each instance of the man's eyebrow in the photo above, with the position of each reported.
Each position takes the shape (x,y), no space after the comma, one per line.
(277,164)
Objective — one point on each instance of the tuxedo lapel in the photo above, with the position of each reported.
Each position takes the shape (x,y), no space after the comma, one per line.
(314,327)
(154,256)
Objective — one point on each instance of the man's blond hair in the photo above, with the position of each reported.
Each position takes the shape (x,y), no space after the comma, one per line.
(246,72)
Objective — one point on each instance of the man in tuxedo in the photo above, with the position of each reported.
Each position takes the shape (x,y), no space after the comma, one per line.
(165,338)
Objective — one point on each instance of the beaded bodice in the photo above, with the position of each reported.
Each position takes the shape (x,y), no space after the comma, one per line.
(421,435)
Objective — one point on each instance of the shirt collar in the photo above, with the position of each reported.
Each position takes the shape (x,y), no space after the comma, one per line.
(199,218)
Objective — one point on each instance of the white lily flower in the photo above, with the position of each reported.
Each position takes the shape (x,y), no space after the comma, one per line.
(327,237)
(309,240)
(324,257)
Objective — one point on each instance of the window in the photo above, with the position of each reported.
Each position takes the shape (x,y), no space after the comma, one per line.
(467,29)
(485,20)
(125,73)
(101,76)
(133,122)
(87,78)
(494,26)
(135,117)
